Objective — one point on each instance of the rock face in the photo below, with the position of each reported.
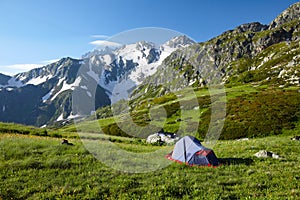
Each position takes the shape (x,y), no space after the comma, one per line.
(252,27)
(290,14)
(266,154)
(251,52)
(4,79)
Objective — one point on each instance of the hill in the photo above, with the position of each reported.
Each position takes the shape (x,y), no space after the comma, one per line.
(242,111)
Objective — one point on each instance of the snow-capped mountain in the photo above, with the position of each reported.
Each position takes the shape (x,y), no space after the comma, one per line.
(44,95)
(100,77)
(122,69)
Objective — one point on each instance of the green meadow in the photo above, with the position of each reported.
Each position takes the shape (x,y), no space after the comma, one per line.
(35,165)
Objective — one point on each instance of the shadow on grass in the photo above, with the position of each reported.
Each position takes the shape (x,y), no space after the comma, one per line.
(235,161)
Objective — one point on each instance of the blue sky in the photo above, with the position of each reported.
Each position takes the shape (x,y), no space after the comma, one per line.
(36,32)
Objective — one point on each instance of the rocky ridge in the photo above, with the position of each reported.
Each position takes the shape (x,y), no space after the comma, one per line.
(252,52)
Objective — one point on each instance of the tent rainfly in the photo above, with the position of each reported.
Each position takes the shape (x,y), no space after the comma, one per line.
(189,150)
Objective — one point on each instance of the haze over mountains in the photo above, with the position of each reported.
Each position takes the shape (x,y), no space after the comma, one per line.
(252,52)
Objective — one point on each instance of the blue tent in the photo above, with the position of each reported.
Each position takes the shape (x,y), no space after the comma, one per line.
(189,150)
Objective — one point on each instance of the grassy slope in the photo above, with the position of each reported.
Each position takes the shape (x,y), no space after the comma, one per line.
(251,111)
(278,58)
(34,167)
(247,106)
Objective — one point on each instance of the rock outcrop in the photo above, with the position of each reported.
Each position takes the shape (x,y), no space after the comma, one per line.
(162,138)
(252,52)
(266,154)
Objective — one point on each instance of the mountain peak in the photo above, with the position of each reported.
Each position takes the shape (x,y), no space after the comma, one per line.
(253,27)
(290,14)
(96,52)
(179,41)
(144,45)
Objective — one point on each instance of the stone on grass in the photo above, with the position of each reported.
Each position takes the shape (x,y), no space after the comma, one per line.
(162,138)
(243,139)
(296,138)
(266,154)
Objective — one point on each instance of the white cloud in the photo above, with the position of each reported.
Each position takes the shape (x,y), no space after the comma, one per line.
(100,36)
(18,68)
(23,66)
(105,43)
(46,62)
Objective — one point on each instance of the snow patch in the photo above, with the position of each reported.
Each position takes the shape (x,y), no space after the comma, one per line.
(84,87)
(21,78)
(9,89)
(89,93)
(38,80)
(47,96)
(66,87)
(107,59)
(60,118)
(135,52)
(72,116)
(13,82)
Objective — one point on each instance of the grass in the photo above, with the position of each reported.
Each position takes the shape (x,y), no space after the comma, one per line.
(19,129)
(35,167)
(251,111)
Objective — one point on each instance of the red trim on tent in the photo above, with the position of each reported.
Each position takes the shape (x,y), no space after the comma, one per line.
(203,152)
(169,157)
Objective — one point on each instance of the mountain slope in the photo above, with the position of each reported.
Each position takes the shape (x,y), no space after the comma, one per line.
(125,68)
(251,53)
(4,79)
(287,16)
(268,54)
(99,78)
(44,95)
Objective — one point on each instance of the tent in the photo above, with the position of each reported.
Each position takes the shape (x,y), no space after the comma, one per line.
(189,150)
